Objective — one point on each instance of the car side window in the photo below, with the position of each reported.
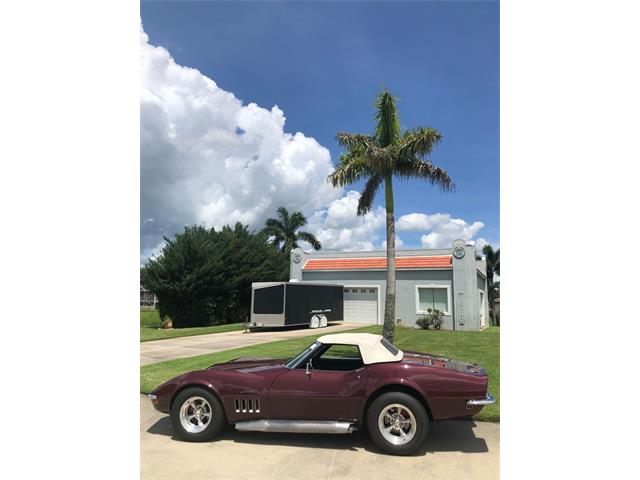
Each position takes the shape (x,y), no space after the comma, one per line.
(338,358)
(342,351)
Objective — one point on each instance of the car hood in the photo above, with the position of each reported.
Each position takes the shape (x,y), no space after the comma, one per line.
(249,364)
(438,361)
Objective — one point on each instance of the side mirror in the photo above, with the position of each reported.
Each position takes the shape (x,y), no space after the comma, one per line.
(308,370)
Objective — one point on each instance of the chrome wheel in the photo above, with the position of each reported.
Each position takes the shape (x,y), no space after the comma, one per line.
(397,424)
(195,414)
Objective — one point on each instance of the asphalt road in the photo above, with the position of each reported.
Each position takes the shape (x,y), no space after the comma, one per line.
(168,349)
(454,450)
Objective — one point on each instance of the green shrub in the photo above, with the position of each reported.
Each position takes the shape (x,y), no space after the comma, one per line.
(424,322)
(432,319)
(203,276)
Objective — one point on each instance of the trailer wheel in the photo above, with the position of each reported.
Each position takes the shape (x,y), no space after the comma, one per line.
(323,321)
(315,322)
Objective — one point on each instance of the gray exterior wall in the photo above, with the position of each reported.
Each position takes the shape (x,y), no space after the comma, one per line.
(462,278)
(466,296)
(406,282)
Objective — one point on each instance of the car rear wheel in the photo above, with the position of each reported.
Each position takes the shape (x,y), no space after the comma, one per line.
(197,415)
(398,423)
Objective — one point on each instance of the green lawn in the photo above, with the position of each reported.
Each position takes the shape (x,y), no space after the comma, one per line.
(482,347)
(150,328)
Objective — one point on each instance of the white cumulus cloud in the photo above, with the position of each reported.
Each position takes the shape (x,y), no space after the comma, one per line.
(445,233)
(208,159)
(441,229)
(420,221)
(338,227)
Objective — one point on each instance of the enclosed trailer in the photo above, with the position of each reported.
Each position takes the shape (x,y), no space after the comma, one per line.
(279,304)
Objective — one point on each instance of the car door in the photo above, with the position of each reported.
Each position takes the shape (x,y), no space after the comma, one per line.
(321,393)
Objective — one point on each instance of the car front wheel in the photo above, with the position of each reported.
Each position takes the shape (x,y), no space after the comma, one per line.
(398,423)
(197,415)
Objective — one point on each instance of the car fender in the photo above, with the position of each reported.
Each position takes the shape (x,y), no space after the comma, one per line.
(198,382)
(168,391)
(377,386)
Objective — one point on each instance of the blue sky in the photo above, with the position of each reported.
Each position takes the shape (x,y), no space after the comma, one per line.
(322,64)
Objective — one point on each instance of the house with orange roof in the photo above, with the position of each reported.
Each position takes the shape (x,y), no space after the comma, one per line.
(452,280)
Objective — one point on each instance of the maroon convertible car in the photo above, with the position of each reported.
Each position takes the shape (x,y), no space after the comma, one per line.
(338,384)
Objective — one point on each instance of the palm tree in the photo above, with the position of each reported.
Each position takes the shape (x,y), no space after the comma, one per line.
(285,231)
(377,159)
(493,287)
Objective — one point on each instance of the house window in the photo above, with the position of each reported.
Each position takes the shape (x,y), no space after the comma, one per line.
(433,297)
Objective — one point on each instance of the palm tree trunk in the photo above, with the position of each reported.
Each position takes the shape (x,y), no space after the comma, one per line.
(388,331)
(492,303)
(493,314)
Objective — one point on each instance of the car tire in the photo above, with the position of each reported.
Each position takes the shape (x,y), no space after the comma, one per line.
(197,415)
(398,423)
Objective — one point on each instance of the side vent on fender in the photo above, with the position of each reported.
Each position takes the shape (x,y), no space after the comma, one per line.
(247,405)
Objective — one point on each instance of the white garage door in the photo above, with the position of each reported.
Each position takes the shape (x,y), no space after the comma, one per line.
(361,305)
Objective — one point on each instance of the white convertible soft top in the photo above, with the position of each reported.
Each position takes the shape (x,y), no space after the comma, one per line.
(370,345)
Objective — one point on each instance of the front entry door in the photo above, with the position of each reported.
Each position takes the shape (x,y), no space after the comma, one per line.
(319,395)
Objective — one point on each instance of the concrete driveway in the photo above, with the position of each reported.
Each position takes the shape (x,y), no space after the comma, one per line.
(454,450)
(161,350)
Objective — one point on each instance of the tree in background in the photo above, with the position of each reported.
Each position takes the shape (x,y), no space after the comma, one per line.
(182,278)
(376,159)
(286,231)
(246,257)
(493,287)
(203,277)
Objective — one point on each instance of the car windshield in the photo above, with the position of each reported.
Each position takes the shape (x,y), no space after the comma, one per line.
(293,362)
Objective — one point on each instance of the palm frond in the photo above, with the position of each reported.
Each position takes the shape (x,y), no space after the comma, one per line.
(289,245)
(275,235)
(493,258)
(310,238)
(380,159)
(421,169)
(368,194)
(270,232)
(274,225)
(353,167)
(283,214)
(297,220)
(355,140)
(417,143)
(387,121)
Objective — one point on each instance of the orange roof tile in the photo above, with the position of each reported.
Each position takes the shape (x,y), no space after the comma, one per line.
(377,263)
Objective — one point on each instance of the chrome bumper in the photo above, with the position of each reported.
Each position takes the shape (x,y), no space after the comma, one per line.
(488,400)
